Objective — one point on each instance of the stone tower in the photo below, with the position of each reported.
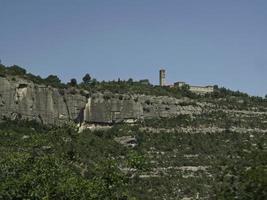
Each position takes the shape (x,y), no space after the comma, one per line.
(162,75)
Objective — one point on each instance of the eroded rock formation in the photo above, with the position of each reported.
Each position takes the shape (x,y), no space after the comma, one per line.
(22,99)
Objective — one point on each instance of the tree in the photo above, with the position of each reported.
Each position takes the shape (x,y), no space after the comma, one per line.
(109,181)
(94,82)
(48,177)
(87,78)
(144,82)
(2,70)
(73,82)
(136,160)
(16,70)
(185,87)
(130,81)
(216,87)
(243,179)
(52,79)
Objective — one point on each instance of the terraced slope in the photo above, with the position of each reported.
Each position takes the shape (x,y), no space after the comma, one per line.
(185,157)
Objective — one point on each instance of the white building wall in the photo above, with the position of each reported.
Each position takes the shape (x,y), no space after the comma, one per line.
(199,89)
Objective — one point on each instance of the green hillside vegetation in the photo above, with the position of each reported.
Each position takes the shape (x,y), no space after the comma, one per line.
(58,163)
(47,163)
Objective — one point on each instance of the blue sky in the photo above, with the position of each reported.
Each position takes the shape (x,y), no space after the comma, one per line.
(203,42)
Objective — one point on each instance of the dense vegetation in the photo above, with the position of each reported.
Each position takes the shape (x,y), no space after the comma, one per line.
(37,162)
(49,163)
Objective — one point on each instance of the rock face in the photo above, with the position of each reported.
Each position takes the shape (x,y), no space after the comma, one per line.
(22,99)
(112,108)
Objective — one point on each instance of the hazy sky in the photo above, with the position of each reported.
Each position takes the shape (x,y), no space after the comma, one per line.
(201,42)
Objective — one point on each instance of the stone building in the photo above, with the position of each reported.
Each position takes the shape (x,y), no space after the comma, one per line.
(201,89)
(179,84)
(192,88)
(196,89)
(162,76)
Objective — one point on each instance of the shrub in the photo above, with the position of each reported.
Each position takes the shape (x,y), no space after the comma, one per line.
(2,70)
(16,70)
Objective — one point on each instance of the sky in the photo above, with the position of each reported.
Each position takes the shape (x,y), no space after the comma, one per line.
(201,42)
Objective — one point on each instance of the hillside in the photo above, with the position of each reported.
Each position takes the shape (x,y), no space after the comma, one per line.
(144,141)
(48,101)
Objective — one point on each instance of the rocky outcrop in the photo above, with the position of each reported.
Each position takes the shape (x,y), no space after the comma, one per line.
(112,108)
(22,99)
(127,141)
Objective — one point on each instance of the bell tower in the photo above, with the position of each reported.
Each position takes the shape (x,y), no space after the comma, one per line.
(162,76)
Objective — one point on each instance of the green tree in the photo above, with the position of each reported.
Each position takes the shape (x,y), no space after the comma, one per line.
(244,178)
(86,79)
(2,70)
(94,82)
(73,82)
(136,160)
(144,82)
(24,176)
(185,87)
(53,80)
(130,81)
(16,70)
(110,181)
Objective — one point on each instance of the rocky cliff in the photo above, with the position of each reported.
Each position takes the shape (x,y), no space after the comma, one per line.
(23,99)
(20,98)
